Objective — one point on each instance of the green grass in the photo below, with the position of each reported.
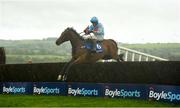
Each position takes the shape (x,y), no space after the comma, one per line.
(69,101)
(15,59)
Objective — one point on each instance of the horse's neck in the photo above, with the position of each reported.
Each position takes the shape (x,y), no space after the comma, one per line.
(75,41)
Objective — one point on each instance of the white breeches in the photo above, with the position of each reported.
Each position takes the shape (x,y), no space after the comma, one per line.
(92,36)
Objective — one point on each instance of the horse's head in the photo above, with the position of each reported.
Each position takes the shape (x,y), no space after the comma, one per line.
(63,37)
(69,34)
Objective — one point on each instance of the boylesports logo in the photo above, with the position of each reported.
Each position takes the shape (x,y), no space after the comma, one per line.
(122,93)
(163,95)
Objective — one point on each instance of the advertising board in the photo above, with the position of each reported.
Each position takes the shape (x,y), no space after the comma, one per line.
(109,90)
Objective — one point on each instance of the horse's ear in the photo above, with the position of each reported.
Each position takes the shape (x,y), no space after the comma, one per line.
(68,28)
(73,29)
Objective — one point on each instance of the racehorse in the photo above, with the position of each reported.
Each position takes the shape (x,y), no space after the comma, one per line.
(82,55)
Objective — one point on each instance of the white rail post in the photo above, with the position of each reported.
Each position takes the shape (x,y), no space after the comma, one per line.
(147,58)
(126,56)
(119,51)
(133,56)
(140,56)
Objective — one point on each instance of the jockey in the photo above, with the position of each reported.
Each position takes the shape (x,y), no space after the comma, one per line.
(98,31)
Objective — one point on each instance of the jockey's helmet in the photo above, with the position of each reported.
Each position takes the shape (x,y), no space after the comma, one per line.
(94,20)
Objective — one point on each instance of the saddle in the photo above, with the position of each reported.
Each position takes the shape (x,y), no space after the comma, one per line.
(89,45)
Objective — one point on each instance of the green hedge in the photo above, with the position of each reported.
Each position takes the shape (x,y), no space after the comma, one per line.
(124,72)
(2,55)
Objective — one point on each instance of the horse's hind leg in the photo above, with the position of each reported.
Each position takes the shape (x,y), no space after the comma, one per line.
(120,58)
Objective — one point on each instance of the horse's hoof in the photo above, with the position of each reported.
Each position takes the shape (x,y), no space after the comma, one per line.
(64,78)
(59,77)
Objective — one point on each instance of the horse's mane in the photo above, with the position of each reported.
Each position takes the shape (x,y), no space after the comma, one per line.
(73,30)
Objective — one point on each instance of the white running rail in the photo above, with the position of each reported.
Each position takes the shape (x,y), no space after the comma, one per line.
(133,55)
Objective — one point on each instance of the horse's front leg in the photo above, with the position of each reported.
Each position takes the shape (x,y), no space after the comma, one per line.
(62,72)
(77,61)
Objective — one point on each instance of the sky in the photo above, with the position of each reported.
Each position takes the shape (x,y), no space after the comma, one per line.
(126,21)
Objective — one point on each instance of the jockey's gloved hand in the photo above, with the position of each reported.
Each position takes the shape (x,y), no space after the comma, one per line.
(86,31)
(90,32)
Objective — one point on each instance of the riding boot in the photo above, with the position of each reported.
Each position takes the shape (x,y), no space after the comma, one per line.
(93,45)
